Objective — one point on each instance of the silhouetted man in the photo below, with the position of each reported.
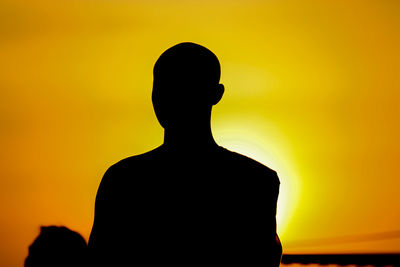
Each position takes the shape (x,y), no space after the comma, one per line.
(188,202)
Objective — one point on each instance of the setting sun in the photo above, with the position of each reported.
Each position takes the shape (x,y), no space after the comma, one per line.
(263,142)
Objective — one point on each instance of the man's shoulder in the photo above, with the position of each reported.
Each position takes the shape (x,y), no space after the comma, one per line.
(135,161)
(121,172)
(246,163)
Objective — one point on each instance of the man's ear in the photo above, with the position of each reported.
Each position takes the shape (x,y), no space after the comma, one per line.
(219,92)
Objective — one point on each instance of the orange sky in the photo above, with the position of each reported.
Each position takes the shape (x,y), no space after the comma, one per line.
(312,90)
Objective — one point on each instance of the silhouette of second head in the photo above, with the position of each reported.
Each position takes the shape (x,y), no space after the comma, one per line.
(186,85)
(57,246)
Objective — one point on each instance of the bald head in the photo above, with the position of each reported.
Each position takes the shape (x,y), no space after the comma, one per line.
(188,63)
(186,84)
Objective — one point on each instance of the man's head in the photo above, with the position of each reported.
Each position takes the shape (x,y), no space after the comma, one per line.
(186,85)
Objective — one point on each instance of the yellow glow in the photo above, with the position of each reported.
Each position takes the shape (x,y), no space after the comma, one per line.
(263,142)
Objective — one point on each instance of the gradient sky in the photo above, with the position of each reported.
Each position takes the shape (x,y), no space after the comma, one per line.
(312,90)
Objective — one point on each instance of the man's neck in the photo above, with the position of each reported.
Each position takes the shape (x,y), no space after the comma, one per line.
(190,139)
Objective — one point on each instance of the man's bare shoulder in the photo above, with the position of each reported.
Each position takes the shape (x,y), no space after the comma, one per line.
(134,162)
(127,170)
(124,173)
(253,166)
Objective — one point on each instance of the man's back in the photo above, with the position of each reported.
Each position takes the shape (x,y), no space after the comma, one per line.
(202,207)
